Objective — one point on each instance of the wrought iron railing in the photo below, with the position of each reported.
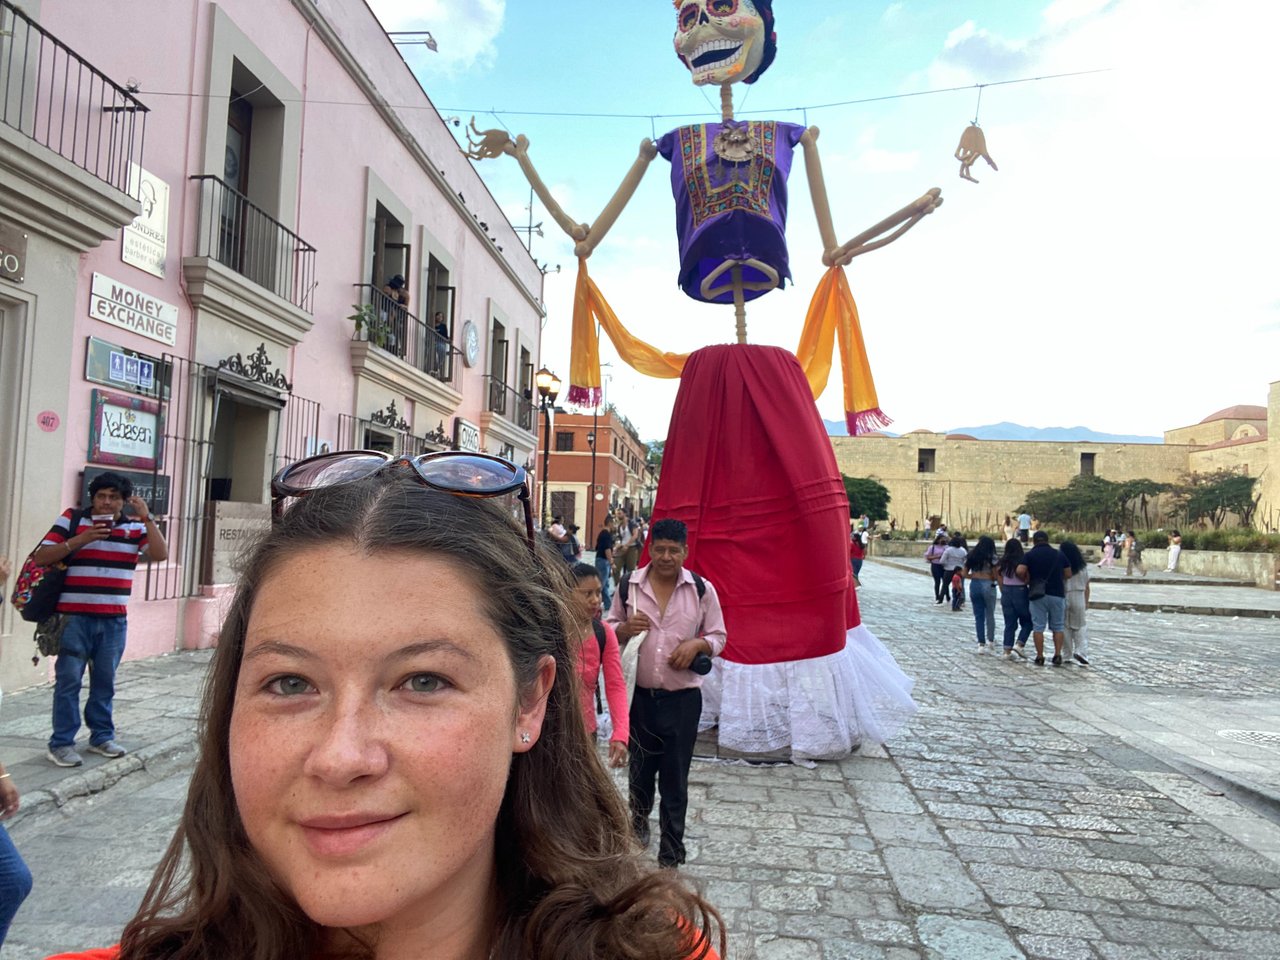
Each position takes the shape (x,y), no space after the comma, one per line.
(51,94)
(243,237)
(509,403)
(387,323)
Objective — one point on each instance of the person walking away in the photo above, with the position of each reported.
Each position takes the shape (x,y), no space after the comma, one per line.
(662,601)
(1043,567)
(1076,646)
(598,653)
(934,556)
(1024,526)
(635,541)
(1175,550)
(15,875)
(1133,555)
(1117,541)
(1108,550)
(100,556)
(980,571)
(604,562)
(1014,605)
(857,553)
(1008,528)
(953,563)
(560,539)
(621,542)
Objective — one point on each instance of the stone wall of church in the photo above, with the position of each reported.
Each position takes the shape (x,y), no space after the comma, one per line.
(1267,516)
(974,483)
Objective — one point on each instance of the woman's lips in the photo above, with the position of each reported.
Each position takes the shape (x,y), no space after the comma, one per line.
(344,836)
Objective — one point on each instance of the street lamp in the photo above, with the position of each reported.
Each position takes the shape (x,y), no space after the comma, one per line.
(591,503)
(405,37)
(548,389)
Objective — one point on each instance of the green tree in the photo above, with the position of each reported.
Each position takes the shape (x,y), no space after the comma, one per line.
(867,496)
(1213,496)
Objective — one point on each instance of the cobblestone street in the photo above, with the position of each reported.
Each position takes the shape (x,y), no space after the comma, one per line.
(1129,810)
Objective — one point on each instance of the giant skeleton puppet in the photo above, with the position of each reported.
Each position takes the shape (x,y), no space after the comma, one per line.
(748,465)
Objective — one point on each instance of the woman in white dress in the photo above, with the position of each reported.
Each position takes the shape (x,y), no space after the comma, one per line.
(1175,549)
(1076,642)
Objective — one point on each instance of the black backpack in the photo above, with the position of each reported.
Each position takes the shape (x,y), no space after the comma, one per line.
(624,586)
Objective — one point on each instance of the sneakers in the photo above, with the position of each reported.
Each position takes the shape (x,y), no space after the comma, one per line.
(65,756)
(108,748)
(1008,655)
(1057,660)
(982,648)
(1020,650)
(1083,661)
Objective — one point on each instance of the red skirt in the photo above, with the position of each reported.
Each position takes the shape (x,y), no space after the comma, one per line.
(749,468)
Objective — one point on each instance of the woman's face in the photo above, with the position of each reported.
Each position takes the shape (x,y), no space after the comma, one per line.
(370,742)
(586,597)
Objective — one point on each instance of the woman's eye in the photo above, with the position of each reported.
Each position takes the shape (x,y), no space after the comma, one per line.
(425,683)
(288,686)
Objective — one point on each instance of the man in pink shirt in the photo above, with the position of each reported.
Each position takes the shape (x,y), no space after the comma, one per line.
(680,616)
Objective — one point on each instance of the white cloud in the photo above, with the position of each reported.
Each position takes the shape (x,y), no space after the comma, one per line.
(464,32)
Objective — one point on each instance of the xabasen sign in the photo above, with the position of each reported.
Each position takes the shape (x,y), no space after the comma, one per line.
(123,306)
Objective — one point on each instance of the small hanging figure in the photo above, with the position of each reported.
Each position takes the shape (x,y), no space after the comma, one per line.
(973,144)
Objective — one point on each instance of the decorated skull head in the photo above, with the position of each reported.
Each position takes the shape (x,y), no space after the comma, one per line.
(725,41)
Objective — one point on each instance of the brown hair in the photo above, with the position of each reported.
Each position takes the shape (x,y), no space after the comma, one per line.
(571,882)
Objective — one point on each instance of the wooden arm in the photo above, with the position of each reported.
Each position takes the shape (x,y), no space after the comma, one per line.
(492,143)
(835,253)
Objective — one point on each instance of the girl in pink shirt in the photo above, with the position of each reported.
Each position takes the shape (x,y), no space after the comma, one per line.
(592,655)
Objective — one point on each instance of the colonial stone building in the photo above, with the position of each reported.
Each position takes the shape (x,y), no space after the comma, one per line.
(974,483)
(597,463)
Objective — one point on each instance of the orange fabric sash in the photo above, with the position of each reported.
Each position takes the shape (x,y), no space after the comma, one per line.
(832,313)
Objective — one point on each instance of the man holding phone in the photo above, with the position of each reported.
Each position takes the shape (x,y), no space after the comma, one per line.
(100,556)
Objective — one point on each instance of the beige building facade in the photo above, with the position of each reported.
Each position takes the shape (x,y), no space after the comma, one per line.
(972,484)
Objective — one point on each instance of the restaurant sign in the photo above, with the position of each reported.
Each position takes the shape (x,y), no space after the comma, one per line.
(125,431)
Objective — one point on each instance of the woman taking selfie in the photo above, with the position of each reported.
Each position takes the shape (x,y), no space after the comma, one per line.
(404,774)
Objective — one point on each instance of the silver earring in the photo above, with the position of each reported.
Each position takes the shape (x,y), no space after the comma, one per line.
(524,736)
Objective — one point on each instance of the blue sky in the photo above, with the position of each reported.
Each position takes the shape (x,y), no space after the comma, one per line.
(1117,271)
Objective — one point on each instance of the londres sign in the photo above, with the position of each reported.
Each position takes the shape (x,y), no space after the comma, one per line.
(123,306)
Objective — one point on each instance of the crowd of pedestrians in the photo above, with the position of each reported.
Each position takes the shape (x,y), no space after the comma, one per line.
(1040,590)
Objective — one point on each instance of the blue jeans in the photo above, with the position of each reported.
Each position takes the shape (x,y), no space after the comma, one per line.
(98,643)
(982,594)
(15,882)
(1017,614)
(602,570)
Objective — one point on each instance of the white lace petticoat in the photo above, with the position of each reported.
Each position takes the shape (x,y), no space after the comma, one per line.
(819,709)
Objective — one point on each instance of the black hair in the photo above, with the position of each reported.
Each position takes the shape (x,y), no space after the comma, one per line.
(982,556)
(765,9)
(1013,554)
(669,529)
(958,541)
(396,282)
(111,481)
(581,571)
(1073,556)
(1040,536)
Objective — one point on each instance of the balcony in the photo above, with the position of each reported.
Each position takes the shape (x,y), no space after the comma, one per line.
(389,326)
(243,237)
(70,138)
(508,404)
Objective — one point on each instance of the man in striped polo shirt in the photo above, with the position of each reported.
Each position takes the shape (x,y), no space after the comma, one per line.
(100,555)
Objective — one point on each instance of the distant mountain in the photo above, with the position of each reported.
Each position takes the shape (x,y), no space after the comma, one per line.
(1016,431)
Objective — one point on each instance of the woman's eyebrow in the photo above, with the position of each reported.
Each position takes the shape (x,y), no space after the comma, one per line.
(281,649)
(430,646)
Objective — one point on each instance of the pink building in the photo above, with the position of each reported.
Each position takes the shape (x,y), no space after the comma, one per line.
(202,242)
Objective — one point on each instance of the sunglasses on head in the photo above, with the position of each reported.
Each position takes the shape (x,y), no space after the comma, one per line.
(457,472)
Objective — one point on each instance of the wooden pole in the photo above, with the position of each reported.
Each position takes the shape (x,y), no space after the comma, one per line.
(739,304)
(726,102)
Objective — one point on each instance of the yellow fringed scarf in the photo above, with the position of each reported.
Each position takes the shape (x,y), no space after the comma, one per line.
(832,311)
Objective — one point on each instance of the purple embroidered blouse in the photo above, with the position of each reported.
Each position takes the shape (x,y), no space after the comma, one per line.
(727,210)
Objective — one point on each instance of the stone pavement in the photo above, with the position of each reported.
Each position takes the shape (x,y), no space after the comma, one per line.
(1156,593)
(1026,812)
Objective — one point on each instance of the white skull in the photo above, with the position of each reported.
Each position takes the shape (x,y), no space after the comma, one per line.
(720,41)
